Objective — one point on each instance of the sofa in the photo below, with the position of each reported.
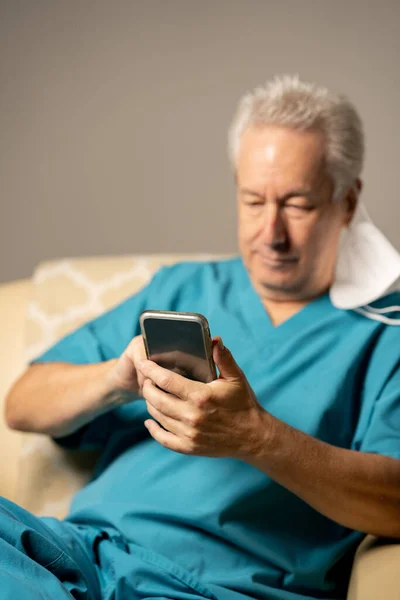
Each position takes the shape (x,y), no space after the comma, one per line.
(42,477)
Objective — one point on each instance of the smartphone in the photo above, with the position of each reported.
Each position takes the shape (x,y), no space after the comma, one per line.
(179,341)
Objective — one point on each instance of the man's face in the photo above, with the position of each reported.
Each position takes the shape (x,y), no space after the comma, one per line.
(288,225)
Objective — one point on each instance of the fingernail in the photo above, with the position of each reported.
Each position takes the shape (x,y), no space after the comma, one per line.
(221,345)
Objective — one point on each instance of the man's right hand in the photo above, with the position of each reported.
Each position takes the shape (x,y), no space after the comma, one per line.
(124,374)
(57,398)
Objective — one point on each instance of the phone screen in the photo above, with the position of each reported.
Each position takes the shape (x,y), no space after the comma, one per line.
(178,345)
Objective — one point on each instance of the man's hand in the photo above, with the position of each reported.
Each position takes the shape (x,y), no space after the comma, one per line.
(221,418)
(124,375)
(58,398)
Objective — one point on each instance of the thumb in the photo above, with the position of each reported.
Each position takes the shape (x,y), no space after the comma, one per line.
(225,362)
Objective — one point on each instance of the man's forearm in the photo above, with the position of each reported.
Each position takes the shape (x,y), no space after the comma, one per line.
(58,398)
(356,489)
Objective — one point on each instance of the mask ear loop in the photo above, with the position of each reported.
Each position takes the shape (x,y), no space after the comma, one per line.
(377,317)
(387,309)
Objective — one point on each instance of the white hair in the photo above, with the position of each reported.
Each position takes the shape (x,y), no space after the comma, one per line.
(288,102)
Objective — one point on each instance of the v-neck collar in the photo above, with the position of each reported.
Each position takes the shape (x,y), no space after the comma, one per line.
(258,319)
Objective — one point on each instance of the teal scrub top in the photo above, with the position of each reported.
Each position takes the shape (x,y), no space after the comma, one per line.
(330,373)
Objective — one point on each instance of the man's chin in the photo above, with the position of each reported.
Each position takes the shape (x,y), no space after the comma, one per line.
(280,286)
(287,288)
(282,281)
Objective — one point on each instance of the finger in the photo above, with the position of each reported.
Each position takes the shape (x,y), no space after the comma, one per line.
(136,348)
(165,438)
(127,364)
(171,425)
(225,362)
(141,379)
(167,380)
(167,404)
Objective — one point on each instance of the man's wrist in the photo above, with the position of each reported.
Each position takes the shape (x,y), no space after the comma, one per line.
(261,438)
(114,394)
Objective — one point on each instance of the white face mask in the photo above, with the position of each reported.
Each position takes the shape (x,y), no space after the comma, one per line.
(367,268)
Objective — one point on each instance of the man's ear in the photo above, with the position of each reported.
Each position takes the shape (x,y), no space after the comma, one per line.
(351,200)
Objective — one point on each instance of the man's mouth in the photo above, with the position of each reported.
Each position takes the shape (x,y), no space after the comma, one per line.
(276,259)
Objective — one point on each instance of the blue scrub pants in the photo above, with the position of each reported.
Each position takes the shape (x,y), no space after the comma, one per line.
(47,559)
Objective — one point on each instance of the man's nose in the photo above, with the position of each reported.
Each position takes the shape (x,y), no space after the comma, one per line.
(274,231)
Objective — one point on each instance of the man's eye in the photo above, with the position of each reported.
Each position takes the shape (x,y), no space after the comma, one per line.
(298,208)
(254,204)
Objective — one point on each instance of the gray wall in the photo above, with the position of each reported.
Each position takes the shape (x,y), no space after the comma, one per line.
(113,115)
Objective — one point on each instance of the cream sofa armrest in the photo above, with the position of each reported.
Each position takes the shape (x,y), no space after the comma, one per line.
(376,572)
(13,306)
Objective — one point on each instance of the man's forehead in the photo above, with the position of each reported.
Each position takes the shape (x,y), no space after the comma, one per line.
(280,155)
(270,152)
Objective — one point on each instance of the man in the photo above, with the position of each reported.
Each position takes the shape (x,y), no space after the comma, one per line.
(262,483)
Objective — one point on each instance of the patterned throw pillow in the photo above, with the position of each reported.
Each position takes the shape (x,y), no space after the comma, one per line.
(65,294)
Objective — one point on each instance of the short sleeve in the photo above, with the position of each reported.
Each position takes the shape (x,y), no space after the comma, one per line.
(101,339)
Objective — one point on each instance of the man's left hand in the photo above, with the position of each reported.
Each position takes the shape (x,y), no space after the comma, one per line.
(218,419)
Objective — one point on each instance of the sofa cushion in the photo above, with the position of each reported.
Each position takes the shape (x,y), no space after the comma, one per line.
(13,305)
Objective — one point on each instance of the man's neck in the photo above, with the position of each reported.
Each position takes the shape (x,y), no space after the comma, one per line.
(279,311)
